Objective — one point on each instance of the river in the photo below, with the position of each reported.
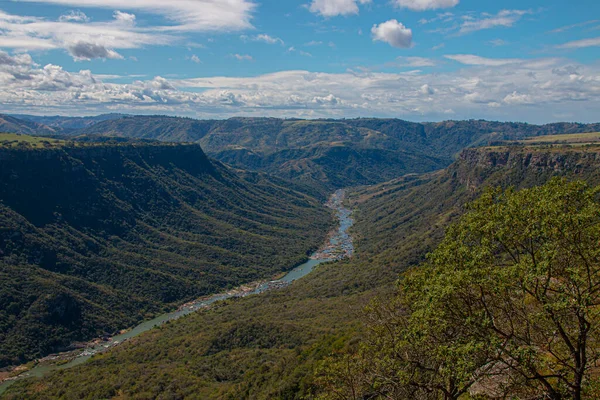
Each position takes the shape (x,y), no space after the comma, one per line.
(338,246)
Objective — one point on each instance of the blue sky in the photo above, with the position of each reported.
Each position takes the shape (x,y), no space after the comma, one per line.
(527,60)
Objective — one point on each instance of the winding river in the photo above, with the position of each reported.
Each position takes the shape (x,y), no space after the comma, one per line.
(339,246)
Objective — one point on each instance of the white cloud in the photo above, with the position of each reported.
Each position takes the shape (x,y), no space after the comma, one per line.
(187,15)
(84,41)
(263,37)
(498,42)
(292,49)
(504,18)
(414,62)
(242,57)
(17,60)
(393,33)
(422,5)
(470,59)
(531,90)
(74,16)
(517,98)
(332,8)
(82,51)
(195,58)
(578,44)
(444,17)
(26,43)
(426,90)
(124,18)
(578,25)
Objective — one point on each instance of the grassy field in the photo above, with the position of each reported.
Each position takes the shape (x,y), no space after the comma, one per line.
(574,138)
(15,139)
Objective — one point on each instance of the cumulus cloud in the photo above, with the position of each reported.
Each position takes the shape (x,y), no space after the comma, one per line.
(394,33)
(84,41)
(17,60)
(427,90)
(578,44)
(422,5)
(517,98)
(532,90)
(82,51)
(124,18)
(195,59)
(332,8)
(74,16)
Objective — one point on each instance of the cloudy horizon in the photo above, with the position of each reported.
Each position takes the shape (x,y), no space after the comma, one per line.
(420,60)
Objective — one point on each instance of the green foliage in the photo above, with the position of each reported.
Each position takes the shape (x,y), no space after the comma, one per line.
(325,154)
(209,355)
(11,140)
(506,306)
(22,126)
(96,238)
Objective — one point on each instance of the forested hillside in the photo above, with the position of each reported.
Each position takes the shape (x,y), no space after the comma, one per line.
(94,238)
(14,125)
(272,345)
(65,125)
(326,153)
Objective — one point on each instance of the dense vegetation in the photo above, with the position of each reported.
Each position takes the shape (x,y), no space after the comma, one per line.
(10,140)
(323,153)
(273,345)
(67,124)
(505,307)
(95,238)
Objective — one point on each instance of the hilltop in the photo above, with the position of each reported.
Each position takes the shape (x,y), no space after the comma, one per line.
(327,154)
(67,124)
(14,125)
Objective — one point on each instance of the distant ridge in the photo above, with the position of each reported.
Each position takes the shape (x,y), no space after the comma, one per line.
(10,124)
(334,153)
(67,124)
(325,153)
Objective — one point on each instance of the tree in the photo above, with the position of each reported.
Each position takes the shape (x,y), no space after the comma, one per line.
(508,305)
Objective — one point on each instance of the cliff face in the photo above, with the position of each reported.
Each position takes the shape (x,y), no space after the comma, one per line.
(71,183)
(402,220)
(521,167)
(93,238)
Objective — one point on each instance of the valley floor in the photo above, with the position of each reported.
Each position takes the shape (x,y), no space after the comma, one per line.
(339,245)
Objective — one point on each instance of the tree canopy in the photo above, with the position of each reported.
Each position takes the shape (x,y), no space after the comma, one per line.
(505,307)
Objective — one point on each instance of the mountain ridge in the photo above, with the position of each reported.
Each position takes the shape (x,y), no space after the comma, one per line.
(102,236)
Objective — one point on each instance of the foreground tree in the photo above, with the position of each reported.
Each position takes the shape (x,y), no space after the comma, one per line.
(508,306)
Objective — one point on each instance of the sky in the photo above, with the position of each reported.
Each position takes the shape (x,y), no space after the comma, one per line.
(421,60)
